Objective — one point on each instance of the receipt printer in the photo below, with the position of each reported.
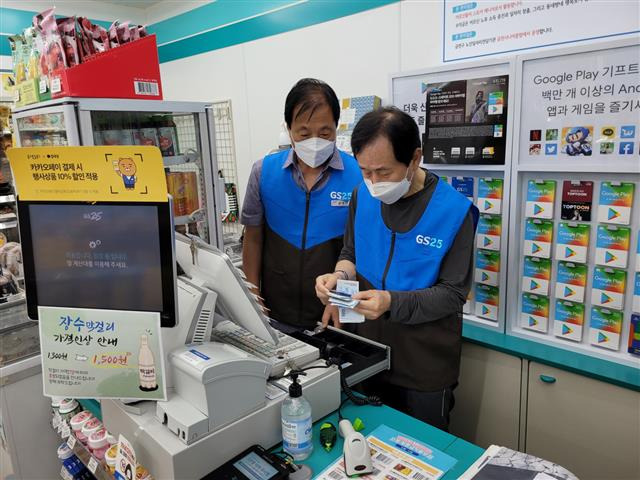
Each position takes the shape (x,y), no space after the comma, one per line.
(215,385)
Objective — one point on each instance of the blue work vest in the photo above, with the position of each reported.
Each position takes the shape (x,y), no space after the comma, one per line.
(407,261)
(302,236)
(285,203)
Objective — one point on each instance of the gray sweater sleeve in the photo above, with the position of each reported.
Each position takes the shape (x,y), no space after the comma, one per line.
(449,293)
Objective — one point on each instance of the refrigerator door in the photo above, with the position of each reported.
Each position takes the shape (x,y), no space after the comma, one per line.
(53,126)
(184,142)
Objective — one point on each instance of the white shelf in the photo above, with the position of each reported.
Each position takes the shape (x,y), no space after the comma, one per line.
(7,198)
(43,129)
(177,160)
(8,225)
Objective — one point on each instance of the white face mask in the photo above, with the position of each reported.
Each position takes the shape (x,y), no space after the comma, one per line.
(314,151)
(388,192)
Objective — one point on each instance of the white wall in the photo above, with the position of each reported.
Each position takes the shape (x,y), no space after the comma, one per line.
(354,54)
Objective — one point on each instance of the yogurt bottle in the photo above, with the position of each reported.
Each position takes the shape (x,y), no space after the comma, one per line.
(91,426)
(110,458)
(77,422)
(68,408)
(98,444)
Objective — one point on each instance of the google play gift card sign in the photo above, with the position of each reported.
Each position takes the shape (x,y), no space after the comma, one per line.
(535,312)
(536,275)
(616,200)
(605,327)
(608,287)
(487,267)
(538,235)
(489,231)
(487,299)
(571,279)
(569,318)
(540,197)
(490,195)
(573,242)
(612,246)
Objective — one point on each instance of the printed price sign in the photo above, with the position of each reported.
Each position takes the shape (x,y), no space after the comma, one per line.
(90,353)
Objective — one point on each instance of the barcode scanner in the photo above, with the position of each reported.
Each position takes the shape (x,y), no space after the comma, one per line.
(357,454)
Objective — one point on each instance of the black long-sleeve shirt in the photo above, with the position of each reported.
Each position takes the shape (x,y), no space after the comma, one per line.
(448,294)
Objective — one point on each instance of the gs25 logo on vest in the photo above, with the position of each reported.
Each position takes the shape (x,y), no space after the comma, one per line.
(340,199)
(429,241)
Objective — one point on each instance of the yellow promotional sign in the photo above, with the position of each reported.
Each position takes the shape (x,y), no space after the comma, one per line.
(89,174)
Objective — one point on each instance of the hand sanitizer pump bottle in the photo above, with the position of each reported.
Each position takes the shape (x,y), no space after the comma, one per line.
(296,423)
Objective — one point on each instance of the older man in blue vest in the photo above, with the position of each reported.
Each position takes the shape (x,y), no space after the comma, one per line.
(409,242)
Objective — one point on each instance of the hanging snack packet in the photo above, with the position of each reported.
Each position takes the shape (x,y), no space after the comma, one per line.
(122,30)
(32,54)
(85,37)
(52,41)
(100,38)
(134,33)
(17,42)
(67,29)
(142,30)
(113,35)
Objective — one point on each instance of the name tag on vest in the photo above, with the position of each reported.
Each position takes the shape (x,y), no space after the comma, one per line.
(340,199)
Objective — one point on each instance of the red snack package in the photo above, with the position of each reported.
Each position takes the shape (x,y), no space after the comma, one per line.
(122,30)
(113,35)
(84,36)
(52,41)
(67,29)
(134,33)
(142,30)
(100,38)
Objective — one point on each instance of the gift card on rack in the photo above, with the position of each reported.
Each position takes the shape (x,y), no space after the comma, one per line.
(535,312)
(612,246)
(487,267)
(605,326)
(636,293)
(487,299)
(538,235)
(616,200)
(571,281)
(444,178)
(569,318)
(490,195)
(464,185)
(638,254)
(577,198)
(573,242)
(634,335)
(536,275)
(540,197)
(489,231)
(608,287)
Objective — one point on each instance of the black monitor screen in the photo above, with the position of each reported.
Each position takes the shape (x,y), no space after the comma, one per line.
(102,256)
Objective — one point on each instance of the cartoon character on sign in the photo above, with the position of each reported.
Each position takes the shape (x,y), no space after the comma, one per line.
(578,141)
(126,168)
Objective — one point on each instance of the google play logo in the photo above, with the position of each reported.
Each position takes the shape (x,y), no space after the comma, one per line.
(485,310)
(566,330)
(568,291)
(535,248)
(569,252)
(532,322)
(487,241)
(602,337)
(488,205)
(613,214)
(534,285)
(609,257)
(537,209)
(604,298)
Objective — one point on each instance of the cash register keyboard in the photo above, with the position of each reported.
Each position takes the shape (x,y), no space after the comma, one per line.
(289,352)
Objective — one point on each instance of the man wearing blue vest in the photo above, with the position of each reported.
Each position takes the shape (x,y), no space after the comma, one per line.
(296,207)
(409,242)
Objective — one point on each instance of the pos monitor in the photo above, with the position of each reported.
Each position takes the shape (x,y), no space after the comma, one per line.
(105,255)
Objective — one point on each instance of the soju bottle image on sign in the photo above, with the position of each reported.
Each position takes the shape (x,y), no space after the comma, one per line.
(146,366)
